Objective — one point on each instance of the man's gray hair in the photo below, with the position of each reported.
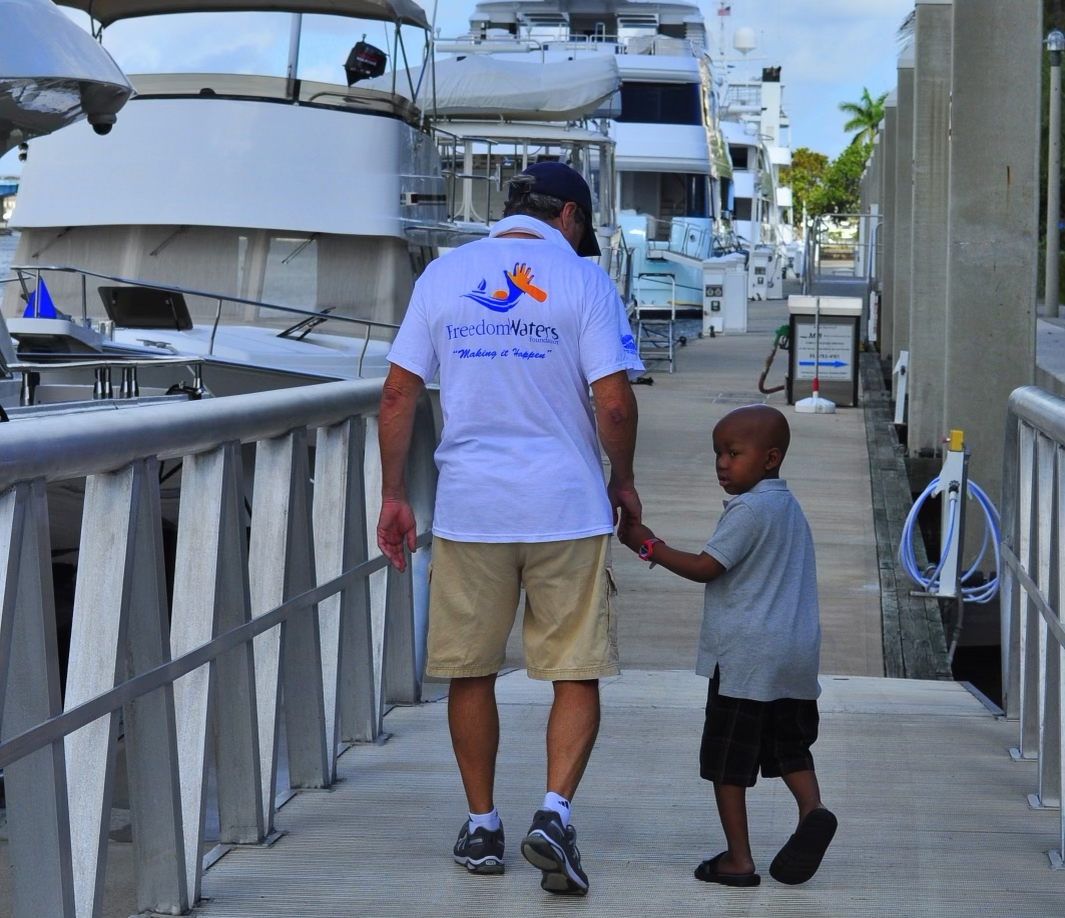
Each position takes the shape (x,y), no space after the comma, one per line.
(541,206)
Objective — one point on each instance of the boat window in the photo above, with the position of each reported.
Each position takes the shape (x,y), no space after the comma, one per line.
(292,272)
(743,209)
(592,27)
(660,103)
(738,154)
(665,195)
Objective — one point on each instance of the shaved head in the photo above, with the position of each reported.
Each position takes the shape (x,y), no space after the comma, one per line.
(762,424)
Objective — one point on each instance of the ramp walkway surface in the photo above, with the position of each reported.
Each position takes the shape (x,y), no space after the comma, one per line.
(932,810)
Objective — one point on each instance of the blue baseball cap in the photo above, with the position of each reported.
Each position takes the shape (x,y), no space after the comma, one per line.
(565,183)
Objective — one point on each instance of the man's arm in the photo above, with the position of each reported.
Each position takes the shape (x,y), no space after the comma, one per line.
(396,525)
(616,416)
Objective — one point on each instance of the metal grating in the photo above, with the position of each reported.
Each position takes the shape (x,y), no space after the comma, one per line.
(740,398)
(932,812)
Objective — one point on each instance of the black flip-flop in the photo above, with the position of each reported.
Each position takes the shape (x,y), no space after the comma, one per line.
(707,872)
(801,855)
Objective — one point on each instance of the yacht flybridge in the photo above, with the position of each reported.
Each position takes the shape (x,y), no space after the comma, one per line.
(324,196)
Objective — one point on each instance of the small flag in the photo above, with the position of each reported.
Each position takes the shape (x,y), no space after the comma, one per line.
(724,10)
(46,308)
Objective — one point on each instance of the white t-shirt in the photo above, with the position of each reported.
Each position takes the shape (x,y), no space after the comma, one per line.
(517,329)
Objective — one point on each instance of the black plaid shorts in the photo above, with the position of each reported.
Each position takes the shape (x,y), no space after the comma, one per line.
(741,737)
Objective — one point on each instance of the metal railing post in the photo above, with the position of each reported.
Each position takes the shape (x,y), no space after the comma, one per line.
(121,578)
(344,619)
(288,657)
(38,820)
(210,597)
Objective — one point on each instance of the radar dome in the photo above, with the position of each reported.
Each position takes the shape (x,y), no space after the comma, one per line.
(744,40)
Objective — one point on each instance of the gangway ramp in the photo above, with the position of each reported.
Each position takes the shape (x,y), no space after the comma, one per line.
(933,816)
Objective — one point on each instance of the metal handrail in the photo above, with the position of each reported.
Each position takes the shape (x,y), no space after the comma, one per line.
(71,447)
(1033,593)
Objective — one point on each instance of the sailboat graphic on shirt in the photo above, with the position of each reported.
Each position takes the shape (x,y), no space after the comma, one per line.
(518,281)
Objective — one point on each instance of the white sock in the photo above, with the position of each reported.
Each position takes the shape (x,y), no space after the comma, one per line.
(489,821)
(560,805)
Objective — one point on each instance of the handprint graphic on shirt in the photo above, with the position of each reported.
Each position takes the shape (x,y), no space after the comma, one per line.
(521,277)
(519,281)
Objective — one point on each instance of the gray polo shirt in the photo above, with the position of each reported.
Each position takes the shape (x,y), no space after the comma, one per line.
(760,623)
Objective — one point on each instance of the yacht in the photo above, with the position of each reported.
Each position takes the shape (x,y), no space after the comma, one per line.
(238,192)
(669,157)
(757,131)
(682,206)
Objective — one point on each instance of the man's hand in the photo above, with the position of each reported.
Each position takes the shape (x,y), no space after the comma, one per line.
(396,527)
(626,505)
(635,535)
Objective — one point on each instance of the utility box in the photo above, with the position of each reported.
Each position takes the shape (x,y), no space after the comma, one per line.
(724,295)
(835,358)
(760,273)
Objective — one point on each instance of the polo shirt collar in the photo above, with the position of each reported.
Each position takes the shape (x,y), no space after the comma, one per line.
(530,225)
(770,484)
(766,484)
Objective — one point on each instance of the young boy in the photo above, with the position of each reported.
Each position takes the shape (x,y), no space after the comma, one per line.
(759,645)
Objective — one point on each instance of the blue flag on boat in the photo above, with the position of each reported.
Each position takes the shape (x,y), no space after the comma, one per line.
(46,309)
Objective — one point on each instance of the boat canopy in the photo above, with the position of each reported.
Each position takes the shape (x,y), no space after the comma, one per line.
(52,72)
(405,12)
(479,86)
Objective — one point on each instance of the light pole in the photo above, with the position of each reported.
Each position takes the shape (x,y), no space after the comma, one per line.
(1055,43)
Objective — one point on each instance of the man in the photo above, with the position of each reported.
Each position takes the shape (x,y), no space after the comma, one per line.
(518,326)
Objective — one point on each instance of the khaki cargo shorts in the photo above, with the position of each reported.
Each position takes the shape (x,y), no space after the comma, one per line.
(569,629)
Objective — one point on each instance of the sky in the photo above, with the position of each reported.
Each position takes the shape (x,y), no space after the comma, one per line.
(829,50)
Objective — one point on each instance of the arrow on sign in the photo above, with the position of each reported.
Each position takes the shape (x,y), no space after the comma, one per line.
(823,363)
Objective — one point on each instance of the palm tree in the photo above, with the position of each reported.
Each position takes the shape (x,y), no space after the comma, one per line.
(907,30)
(865,114)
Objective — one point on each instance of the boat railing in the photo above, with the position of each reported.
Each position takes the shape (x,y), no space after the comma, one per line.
(454,148)
(28,276)
(275,89)
(280,612)
(599,42)
(854,258)
(1033,587)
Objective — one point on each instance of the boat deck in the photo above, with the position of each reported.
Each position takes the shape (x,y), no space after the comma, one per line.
(934,819)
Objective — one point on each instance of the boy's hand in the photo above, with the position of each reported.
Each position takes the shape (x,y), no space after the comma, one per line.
(634,535)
